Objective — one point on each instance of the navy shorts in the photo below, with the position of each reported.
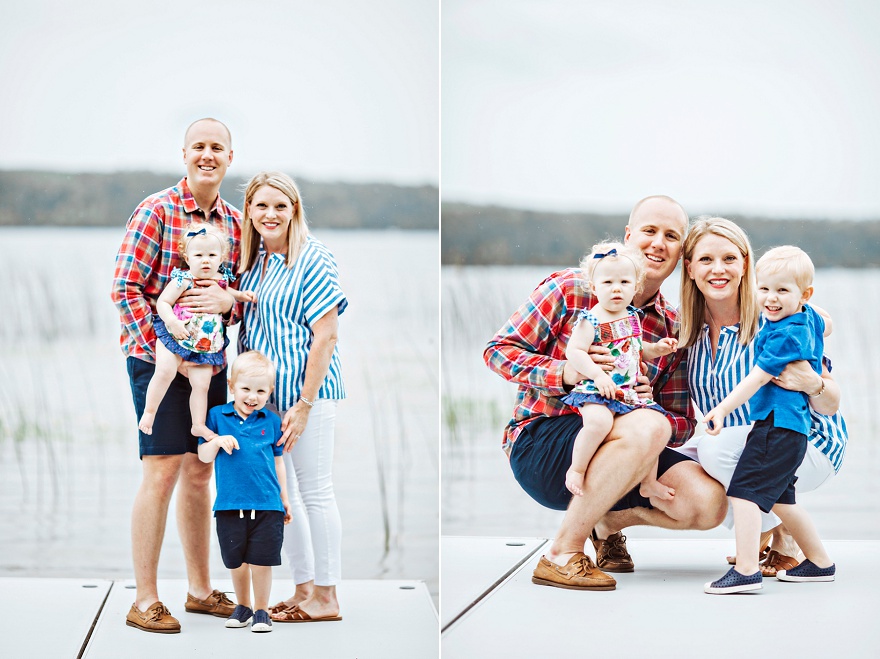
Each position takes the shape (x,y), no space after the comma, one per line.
(542,454)
(765,473)
(171,428)
(253,541)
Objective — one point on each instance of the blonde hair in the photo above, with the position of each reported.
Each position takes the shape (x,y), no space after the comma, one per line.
(597,255)
(790,260)
(252,363)
(693,305)
(297,230)
(210,230)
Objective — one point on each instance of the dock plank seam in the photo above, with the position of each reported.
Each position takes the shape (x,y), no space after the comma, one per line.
(85,644)
(504,577)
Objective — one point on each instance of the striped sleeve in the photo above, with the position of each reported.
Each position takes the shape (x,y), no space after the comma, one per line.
(320,287)
(829,435)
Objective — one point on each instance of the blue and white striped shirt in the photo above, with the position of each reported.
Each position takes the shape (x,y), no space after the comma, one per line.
(710,382)
(289,300)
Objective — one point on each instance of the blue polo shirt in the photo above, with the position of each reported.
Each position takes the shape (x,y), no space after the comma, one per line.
(798,336)
(246,480)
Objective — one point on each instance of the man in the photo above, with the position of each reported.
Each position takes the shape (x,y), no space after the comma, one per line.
(144,263)
(530,350)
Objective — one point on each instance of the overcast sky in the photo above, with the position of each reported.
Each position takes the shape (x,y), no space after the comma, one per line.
(757,106)
(326,89)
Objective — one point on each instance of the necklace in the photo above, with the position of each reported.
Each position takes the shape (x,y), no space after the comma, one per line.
(715,323)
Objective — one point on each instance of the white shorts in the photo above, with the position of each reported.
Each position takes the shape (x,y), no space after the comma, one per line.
(718,456)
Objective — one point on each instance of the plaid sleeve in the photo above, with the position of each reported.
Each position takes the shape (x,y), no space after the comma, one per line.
(134,265)
(516,352)
(671,393)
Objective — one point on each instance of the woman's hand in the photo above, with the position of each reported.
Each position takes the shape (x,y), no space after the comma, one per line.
(293,425)
(206,297)
(824,392)
(799,376)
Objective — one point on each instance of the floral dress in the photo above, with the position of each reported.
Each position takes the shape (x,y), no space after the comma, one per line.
(623,336)
(207,339)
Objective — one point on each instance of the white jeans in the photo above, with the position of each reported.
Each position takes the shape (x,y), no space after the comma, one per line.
(718,456)
(313,539)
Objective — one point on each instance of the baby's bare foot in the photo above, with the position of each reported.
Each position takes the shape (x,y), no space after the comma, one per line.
(145,425)
(574,481)
(657,490)
(199,430)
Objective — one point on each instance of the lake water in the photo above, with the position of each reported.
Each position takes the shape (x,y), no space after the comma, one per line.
(479,494)
(69,464)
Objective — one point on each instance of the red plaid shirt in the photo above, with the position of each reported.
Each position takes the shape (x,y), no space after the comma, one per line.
(530,350)
(149,253)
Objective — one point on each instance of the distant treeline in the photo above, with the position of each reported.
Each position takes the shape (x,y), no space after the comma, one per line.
(35,198)
(485,235)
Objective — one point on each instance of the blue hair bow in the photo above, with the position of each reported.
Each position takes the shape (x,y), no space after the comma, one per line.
(200,232)
(598,255)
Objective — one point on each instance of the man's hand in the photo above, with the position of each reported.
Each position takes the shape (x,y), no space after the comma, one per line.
(206,297)
(601,356)
(643,384)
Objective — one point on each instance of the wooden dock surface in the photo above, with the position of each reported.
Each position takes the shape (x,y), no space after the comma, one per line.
(658,611)
(62,618)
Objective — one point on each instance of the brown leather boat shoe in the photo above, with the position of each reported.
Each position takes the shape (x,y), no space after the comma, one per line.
(157,619)
(578,574)
(611,554)
(217,604)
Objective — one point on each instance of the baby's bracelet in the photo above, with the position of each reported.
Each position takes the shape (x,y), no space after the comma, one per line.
(820,392)
(312,403)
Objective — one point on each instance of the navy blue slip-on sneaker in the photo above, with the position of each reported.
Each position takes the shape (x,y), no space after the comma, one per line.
(261,622)
(734,582)
(240,617)
(807,571)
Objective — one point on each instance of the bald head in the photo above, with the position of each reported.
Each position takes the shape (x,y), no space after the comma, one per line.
(199,121)
(659,203)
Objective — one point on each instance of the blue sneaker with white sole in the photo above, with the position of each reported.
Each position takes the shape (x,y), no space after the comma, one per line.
(240,617)
(734,582)
(261,622)
(807,571)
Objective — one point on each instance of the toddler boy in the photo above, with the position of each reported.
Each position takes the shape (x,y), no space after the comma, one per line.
(251,506)
(765,474)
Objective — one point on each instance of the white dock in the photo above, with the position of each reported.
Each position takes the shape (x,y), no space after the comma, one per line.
(86,618)
(657,611)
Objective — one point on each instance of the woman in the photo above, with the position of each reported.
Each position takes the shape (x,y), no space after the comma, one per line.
(294,322)
(719,320)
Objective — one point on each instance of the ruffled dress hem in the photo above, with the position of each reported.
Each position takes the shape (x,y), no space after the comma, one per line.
(191,356)
(578,399)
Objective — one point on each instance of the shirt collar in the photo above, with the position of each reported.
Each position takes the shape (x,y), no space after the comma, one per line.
(190,205)
(229,410)
(658,303)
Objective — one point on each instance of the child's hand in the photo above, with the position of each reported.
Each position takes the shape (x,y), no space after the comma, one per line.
(249,296)
(605,385)
(287,515)
(227,442)
(667,345)
(178,329)
(714,421)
